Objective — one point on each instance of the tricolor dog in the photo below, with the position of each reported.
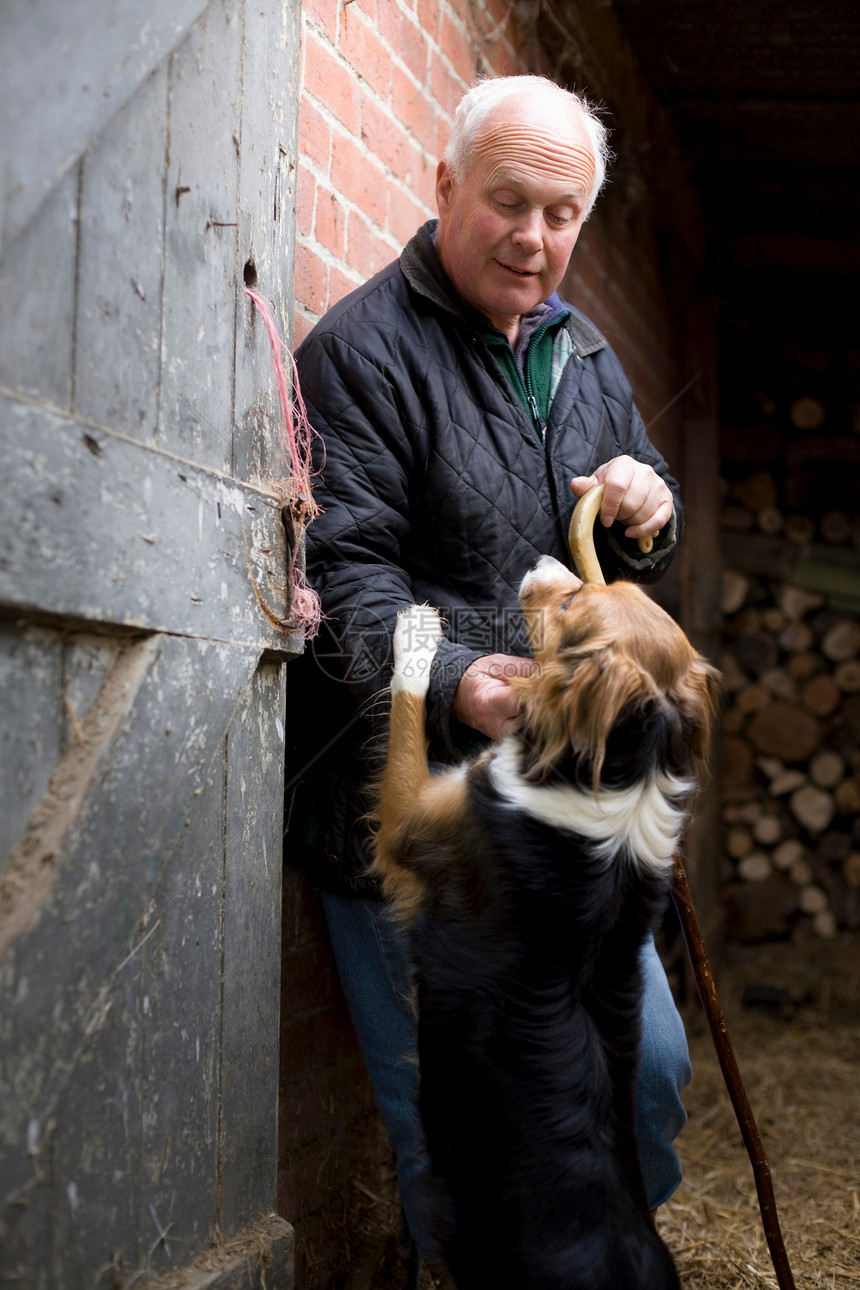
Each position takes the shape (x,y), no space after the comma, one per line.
(529,878)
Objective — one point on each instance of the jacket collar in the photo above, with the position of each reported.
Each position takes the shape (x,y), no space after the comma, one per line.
(422,269)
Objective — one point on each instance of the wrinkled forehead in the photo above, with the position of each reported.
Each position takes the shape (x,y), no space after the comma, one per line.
(530,142)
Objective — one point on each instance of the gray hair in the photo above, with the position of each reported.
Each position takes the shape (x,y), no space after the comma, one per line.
(478,102)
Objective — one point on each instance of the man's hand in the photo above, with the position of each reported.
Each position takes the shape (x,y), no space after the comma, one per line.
(484,700)
(635,495)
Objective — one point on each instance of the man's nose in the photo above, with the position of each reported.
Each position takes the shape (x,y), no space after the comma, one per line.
(528,232)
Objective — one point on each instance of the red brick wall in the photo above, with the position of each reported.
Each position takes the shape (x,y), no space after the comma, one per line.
(380,81)
(620,288)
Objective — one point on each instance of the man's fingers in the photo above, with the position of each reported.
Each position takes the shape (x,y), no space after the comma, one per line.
(653,524)
(503,666)
(619,488)
(580,484)
(484,700)
(634,495)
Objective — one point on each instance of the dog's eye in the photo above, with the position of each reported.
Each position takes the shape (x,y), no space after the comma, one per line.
(566,603)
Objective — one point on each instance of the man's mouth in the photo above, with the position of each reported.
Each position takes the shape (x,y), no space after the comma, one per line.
(520,273)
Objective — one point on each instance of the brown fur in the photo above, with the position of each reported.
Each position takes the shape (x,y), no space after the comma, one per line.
(598,650)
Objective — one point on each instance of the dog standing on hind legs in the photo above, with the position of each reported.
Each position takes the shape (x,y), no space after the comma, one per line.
(529,879)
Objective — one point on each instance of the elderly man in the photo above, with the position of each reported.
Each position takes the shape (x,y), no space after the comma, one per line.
(463,407)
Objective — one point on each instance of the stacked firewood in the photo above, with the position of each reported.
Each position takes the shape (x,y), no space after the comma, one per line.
(791,743)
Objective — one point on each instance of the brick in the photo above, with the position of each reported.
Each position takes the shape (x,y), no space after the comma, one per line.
(365,51)
(445,88)
(330,223)
(310,279)
(314,136)
(324,13)
(504,61)
(305,194)
(404,215)
(303,922)
(310,1041)
(302,327)
(328,81)
(412,48)
(385,138)
(339,286)
(414,110)
(499,13)
(308,976)
(366,252)
(429,18)
(388,24)
(307,1109)
(317,1176)
(358,179)
(458,49)
(422,179)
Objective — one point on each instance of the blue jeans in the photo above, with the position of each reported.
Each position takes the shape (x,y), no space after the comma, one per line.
(373,965)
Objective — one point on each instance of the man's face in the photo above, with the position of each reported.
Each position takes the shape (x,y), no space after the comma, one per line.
(507,230)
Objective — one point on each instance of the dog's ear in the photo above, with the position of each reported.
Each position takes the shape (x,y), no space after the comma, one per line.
(696,695)
(570,710)
(605,687)
(600,715)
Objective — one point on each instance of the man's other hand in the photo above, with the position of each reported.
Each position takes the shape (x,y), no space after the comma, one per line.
(635,495)
(484,700)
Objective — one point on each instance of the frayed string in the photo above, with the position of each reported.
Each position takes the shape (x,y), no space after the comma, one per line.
(297,435)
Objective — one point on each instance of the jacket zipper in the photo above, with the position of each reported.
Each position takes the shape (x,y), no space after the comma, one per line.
(524,387)
(526,390)
(525,394)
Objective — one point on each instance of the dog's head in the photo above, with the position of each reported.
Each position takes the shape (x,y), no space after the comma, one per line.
(619,692)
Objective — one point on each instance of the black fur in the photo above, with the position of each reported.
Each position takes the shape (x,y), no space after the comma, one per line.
(529,1000)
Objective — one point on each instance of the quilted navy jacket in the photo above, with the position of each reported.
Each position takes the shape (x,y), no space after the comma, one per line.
(437,486)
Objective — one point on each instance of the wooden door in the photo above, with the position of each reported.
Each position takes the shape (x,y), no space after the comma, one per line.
(148,162)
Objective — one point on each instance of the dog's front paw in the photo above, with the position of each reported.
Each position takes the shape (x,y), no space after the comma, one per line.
(416,637)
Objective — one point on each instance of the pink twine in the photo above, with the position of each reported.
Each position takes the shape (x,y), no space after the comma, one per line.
(297,434)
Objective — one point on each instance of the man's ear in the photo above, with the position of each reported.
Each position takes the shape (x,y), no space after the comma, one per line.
(444,186)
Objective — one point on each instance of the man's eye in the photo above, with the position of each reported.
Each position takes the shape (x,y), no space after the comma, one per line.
(506,201)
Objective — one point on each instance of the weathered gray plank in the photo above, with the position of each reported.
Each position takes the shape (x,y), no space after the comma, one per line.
(181,982)
(118,879)
(94,1178)
(37,300)
(31,723)
(118,321)
(252,933)
(201,239)
(111,855)
(65,69)
(267,167)
(101,529)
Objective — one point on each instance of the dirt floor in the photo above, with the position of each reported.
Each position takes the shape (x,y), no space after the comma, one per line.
(793,1014)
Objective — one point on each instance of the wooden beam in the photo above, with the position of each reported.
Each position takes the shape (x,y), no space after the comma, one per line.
(103,530)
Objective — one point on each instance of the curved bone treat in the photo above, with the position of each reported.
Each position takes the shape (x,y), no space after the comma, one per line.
(580,536)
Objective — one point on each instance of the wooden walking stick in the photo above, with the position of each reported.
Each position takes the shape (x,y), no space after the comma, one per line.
(743,1111)
(581,541)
